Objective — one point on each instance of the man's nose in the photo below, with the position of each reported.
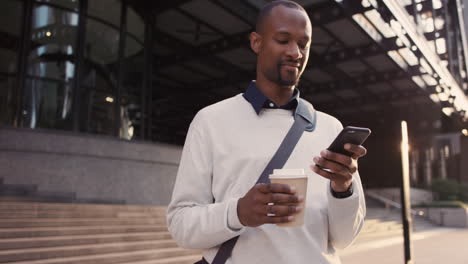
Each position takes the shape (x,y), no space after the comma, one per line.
(294,51)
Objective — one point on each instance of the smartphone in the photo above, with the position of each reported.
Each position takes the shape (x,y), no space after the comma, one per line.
(349,134)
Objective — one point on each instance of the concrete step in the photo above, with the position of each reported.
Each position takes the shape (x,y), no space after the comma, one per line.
(383,223)
(119,257)
(190,259)
(81,207)
(365,237)
(418,224)
(83,250)
(387,218)
(374,222)
(77,230)
(57,222)
(55,241)
(380,231)
(380,226)
(53,196)
(25,213)
(373,213)
(29,193)
(17,189)
(33,199)
(370,221)
(424,226)
(98,201)
(374,233)
(55,233)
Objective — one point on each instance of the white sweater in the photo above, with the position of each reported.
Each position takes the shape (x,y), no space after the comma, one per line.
(227,147)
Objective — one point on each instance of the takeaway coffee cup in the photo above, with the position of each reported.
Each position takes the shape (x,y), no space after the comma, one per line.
(298,179)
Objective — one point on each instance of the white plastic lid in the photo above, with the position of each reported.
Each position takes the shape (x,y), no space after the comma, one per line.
(288,173)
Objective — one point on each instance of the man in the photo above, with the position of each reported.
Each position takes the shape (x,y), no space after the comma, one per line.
(229,144)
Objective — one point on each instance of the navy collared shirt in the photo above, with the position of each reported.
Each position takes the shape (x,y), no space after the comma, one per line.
(258,101)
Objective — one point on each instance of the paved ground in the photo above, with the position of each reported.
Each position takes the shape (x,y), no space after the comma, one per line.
(435,246)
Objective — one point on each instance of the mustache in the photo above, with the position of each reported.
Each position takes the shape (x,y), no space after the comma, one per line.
(294,63)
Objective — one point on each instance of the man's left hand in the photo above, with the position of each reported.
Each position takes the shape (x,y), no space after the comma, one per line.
(341,167)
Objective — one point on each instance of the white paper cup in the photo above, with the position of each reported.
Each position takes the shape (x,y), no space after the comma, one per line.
(298,179)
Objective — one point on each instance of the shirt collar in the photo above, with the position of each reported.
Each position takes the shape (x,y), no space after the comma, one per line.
(258,101)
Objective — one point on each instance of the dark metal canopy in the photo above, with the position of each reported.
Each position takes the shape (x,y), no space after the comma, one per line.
(371,61)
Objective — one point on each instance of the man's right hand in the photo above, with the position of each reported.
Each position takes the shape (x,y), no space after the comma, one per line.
(253,209)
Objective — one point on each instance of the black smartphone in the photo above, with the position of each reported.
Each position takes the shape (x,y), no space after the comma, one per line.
(349,134)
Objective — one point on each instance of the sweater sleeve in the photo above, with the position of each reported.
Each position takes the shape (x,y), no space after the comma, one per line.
(194,219)
(346,215)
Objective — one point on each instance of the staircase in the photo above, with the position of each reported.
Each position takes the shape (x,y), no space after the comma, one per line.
(58,228)
(383,223)
(69,233)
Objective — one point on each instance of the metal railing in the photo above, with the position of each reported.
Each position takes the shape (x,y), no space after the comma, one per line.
(392,204)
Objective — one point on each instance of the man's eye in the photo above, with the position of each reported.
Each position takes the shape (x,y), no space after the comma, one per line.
(303,46)
(282,41)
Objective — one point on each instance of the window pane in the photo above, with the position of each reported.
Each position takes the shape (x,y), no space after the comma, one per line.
(133,69)
(10,32)
(47,104)
(107,10)
(72,4)
(7,98)
(10,17)
(98,105)
(131,89)
(51,68)
(100,77)
(53,43)
(102,44)
(135,25)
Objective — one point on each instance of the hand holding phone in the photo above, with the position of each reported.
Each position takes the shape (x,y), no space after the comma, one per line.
(349,134)
(338,164)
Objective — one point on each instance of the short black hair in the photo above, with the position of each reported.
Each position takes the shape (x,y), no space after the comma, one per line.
(266,10)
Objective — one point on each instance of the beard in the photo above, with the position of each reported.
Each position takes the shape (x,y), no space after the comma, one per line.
(284,80)
(283,76)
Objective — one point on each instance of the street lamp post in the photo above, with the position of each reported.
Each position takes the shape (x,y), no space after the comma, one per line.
(405,194)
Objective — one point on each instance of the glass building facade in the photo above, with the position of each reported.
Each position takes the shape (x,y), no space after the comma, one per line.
(75,65)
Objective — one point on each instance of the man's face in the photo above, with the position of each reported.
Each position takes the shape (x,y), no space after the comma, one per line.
(284,45)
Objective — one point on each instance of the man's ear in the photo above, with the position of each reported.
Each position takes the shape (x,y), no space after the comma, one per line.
(255,42)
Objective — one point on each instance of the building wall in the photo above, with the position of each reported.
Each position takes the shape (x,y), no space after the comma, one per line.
(93,167)
(464,160)
(381,167)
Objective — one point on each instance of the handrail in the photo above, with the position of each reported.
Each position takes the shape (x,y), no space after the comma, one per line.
(392,203)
